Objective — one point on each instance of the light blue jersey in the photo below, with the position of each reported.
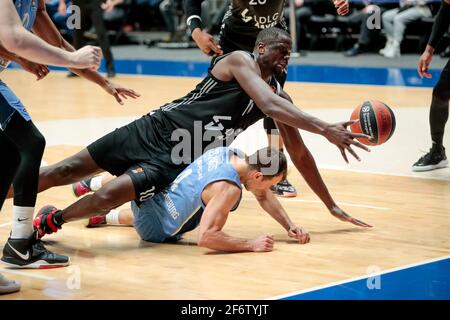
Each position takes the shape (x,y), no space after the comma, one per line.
(27,12)
(9,103)
(178,209)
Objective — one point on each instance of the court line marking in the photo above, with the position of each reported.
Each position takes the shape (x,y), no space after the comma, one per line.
(5,224)
(357,278)
(27,274)
(317,201)
(411,175)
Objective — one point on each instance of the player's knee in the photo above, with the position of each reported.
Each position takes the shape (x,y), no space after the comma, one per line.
(37,144)
(32,152)
(441,92)
(60,172)
(104,200)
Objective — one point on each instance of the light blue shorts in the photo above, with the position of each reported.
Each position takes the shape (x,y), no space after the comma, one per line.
(148,225)
(10,104)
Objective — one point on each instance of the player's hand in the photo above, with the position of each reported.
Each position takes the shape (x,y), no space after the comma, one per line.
(424,62)
(39,70)
(341,215)
(338,134)
(299,234)
(206,43)
(86,57)
(341,6)
(119,92)
(263,243)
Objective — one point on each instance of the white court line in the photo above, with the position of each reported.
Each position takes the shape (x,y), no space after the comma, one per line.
(5,224)
(317,201)
(357,278)
(411,175)
(26,274)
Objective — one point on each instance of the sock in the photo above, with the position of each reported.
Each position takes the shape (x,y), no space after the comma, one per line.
(113,217)
(96,183)
(22,225)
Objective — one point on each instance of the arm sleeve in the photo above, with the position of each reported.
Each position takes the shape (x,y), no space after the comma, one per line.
(193,10)
(441,23)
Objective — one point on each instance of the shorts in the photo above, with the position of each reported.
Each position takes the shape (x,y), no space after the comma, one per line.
(148,225)
(142,150)
(10,104)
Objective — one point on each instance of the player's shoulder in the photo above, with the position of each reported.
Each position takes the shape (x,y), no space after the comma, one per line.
(226,189)
(239,58)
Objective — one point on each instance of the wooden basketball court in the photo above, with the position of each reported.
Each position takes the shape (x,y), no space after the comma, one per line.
(410,213)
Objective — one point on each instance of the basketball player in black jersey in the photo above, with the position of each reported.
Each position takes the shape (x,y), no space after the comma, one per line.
(436,157)
(147,154)
(240,27)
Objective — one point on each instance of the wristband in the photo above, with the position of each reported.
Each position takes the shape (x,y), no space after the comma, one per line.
(194,22)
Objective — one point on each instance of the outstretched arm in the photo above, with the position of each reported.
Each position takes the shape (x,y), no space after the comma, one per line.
(272,206)
(306,165)
(220,199)
(39,70)
(242,68)
(45,29)
(16,39)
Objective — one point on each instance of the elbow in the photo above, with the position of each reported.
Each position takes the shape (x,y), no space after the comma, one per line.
(11,39)
(268,108)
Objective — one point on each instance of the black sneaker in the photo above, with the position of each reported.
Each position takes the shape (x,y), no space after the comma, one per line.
(434,159)
(284,189)
(31,253)
(355,50)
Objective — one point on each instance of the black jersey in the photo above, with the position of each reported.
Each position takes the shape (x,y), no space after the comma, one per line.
(213,114)
(246,18)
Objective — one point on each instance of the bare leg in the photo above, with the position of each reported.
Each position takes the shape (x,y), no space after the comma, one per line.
(67,171)
(117,192)
(126,217)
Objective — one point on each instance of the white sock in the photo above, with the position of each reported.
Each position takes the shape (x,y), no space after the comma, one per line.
(96,183)
(22,225)
(113,217)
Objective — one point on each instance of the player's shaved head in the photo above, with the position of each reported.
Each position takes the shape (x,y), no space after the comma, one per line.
(271,35)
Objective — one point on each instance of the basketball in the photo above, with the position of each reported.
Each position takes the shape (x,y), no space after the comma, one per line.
(376,119)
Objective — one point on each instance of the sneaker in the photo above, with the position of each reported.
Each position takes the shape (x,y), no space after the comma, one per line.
(8,286)
(81,188)
(388,44)
(284,189)
(31,253)
(434,159)
(393,51)
(355,50)
(96,221)
(44,222)
(110,73)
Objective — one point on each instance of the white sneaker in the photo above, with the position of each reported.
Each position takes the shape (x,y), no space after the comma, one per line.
(393,51)
(387,45)
(8,286)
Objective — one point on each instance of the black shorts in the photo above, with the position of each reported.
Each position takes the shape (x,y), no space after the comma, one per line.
(142,150)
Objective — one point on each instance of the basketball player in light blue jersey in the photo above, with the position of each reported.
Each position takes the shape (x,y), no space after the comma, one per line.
(206,191)
(21,143)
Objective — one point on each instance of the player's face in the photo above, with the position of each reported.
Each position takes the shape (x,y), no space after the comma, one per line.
(258,183)
(277,55)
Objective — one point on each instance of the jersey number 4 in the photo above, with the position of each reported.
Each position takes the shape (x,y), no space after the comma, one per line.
(216,124)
